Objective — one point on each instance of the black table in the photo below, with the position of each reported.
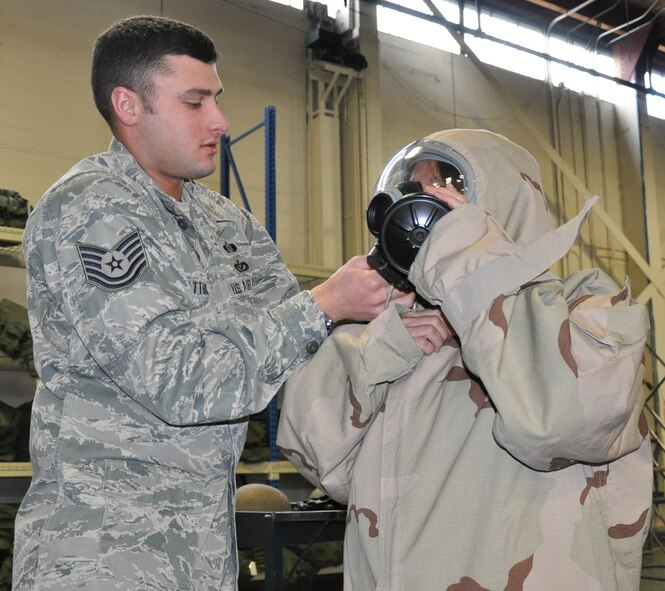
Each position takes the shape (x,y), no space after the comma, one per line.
(274,530)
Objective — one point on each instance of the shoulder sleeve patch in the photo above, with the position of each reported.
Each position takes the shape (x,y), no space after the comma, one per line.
(116,268)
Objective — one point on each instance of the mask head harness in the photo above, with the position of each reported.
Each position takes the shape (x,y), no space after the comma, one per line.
(401,215)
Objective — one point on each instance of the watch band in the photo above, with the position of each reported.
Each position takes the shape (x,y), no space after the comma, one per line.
(330,324)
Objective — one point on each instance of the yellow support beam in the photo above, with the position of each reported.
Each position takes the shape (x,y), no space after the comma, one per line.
(272,469)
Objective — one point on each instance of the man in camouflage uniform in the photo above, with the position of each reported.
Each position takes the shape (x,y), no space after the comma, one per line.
(515,456)
(162,317)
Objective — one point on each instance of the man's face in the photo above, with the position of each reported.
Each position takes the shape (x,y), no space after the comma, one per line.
(178,136)
(427,173)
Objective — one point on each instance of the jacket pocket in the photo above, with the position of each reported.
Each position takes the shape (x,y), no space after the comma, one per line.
(150,526)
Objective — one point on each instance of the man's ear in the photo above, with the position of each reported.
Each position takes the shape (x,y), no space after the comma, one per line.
(126,105)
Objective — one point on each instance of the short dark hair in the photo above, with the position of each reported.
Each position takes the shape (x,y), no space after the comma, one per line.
(131,51)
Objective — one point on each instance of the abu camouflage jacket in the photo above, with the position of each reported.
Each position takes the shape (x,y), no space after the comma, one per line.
(159,327)
(517,457)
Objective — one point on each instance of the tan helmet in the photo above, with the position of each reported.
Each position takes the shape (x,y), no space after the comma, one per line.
(261,497)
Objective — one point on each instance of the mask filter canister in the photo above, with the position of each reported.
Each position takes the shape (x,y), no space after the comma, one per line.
(401,219)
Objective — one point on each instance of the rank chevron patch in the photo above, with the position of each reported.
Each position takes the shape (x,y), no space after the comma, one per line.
(117,268)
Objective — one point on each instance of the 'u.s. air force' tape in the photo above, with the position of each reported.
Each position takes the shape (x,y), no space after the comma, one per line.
(115,268)
(476,292)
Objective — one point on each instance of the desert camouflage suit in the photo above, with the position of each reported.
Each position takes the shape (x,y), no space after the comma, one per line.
(516,458)
(159,327)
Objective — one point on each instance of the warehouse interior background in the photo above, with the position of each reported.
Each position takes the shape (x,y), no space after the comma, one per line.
(580,84)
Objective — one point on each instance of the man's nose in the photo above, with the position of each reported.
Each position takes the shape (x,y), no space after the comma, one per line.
(220,124)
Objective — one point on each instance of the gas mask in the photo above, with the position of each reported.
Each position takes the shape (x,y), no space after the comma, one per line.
(401,215)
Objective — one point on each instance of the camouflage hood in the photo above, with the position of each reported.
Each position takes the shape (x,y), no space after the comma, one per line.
(507,181)
(505,189)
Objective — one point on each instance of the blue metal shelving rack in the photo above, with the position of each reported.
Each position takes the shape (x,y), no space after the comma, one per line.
(227,166)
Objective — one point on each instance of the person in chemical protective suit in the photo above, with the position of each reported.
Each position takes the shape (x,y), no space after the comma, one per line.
(516,456)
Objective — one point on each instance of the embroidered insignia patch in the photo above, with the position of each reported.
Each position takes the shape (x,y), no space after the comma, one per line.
(114,269)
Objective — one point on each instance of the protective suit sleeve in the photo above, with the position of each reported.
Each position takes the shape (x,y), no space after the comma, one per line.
(562,361)
(331,401)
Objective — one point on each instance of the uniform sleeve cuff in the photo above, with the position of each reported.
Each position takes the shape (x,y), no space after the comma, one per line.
(304,322)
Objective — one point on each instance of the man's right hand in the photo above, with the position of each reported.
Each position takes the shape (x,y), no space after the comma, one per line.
(357,292)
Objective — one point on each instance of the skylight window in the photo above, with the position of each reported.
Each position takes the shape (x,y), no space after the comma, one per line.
(656,104)
(293,3)
(506,47)
(414,28)
(332,5)
(509,57)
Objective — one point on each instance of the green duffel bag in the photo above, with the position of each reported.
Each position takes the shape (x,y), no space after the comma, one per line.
(15,337)
(14,209)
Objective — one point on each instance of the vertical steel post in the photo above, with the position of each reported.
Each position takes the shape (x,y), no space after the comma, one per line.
(224,166)
(270,174)
(271,226)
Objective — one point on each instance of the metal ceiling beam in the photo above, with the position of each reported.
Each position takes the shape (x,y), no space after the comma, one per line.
(580,17)
(459,30)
